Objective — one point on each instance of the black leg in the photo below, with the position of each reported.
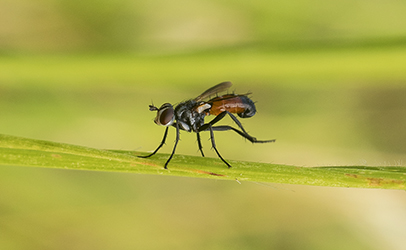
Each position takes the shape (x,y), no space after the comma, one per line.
(245,135)
(174,147)
(160,145)
(214,146)
(199,143)
(212,122)
(221,116)
(237,122)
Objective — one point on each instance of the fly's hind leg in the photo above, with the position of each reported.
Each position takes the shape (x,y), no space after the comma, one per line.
(245,135)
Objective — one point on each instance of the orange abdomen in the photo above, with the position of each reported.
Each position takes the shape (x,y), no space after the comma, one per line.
(237,104)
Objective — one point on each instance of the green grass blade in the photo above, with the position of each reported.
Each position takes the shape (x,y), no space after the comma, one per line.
(37,153)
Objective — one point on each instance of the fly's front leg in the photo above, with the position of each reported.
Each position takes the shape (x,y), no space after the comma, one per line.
(160,145)
(176,125)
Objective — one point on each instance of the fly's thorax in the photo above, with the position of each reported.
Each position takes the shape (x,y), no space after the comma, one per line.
(188,117)
(203,107)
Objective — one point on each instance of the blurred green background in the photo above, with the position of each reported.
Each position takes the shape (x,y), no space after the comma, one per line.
(328,78)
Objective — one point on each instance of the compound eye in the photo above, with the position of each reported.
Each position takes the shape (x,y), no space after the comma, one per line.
(165,116)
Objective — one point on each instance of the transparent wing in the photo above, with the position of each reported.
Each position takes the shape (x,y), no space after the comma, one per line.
(214,90)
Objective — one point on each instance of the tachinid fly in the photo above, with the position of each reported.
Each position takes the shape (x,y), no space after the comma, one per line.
(189,116)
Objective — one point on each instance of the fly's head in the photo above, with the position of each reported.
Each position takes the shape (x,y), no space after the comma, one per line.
(165,114)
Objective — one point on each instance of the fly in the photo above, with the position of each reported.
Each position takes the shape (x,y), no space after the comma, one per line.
(189,116)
